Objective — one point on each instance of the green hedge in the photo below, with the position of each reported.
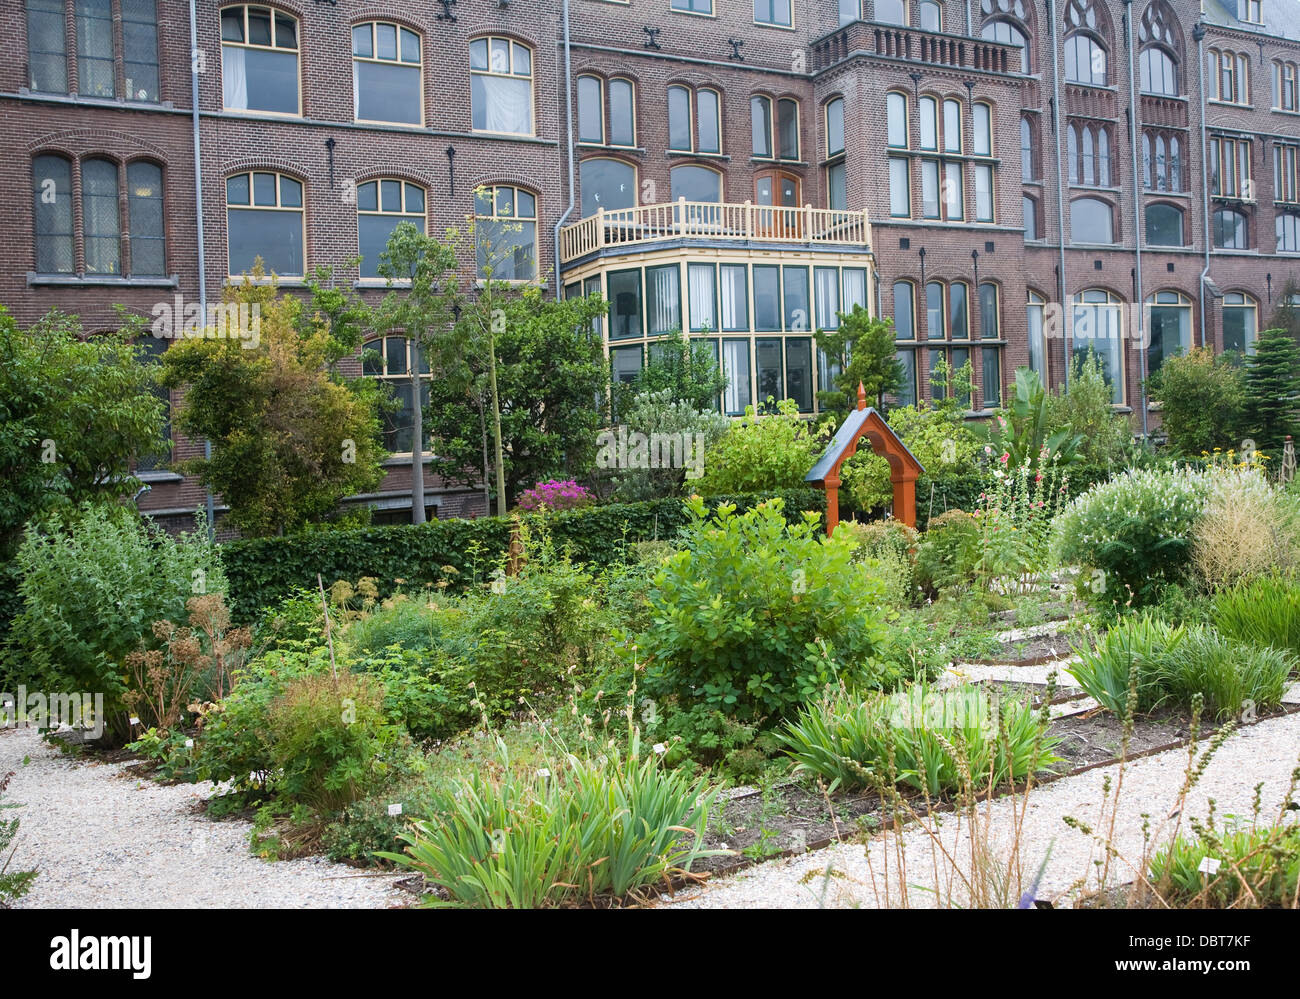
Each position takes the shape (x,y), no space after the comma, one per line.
(262,571)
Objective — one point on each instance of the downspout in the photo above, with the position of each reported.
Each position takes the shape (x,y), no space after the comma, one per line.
(970,28)
(1198,32)
(1060,189)
(1137,212)
(568,138)
(198,204)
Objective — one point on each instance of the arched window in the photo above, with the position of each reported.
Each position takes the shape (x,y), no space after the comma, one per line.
(52,213)
(1286,173)
(259,60)
(387,79)
(1035,317)
(144,208)
(837,181)
(1085,60)
(1161,41)
(1158,73)
(931,15)
(1096,327)
(1091,221)
(506,220)
(382,205)
(1028,169)
(1285,79)
(1230,231)
(694,120)
(501,86)
(896,116)
(1088,154)
(1230,76)
(264,218)
(101,216)
(1240,322)
(1164,225)
(1008,34)
(776,128)
(1031,217)
(891,11)
(591,109)
(608,184)
(1169,327)
(904,294)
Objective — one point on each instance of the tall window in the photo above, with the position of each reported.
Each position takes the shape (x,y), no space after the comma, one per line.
(1088,160)
(391,361)
(1028,169)
(1286,173)
(264,218)
(1031,217)
(599,123)
(259,60)
(1230,168)
(95,65)
(140,49)
(1240,322)
(774,12)
(905,333)
(942,184)
(1158,73)
(381,206)
(1164,225)
(144,207)
(1229,230)
(694,120)
(1285,76)
(776,127)
(506,219)
(501,86)
(931,15)
(1169,327)
(1096,327)
(1288,232)
(52,213)
(1085,60)
(386,73)
(837,181)
(1006,33)
(1035,315)
(1251,10)
(1161,41)
(891,11)
(1231,76)
(1091,221)
(608,184)
(47,53)
(1162,161)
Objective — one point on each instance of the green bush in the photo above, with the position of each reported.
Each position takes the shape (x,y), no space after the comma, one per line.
(1106,671)
(264,571)
(1264,611)
(1131,535)
(575,831)
(1084,405)
(92,587)
(891,544)
(761,454)
(935,741)
(949,552)
(1259,868)
(940,439)
(1202,401)
(756,615)
(13,884)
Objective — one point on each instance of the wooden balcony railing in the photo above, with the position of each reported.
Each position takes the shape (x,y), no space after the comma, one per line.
(704,220)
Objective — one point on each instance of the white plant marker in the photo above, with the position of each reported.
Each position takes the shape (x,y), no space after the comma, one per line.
(1210,866)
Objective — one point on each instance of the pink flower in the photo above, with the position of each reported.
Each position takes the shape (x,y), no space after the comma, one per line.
(1005,456)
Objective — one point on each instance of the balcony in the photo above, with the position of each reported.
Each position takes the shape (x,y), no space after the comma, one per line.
(913,45)
(710,222)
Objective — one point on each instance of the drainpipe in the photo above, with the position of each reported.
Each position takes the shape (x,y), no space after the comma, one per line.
(1137,210)
(198,204)
(568,137)
(970,28)
(1060,188)
(1198,32)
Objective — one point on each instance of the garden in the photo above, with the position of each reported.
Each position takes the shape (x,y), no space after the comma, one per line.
(647,686)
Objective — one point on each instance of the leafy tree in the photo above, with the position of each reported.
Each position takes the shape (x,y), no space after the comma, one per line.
(686,369)
(1273,390)
(658,413)
(864,351)
(291,436)
(423,308)
(549,370)
(1202,401)
(73,413)
(1085,407)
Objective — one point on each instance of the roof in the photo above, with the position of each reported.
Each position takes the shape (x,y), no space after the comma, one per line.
(849,431)
(1281,17)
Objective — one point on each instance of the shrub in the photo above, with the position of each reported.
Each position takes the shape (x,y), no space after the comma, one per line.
(1263,612)
(1106,671)
(1259,868)
(891,545)
(1202,401)
(1134,533)
(674,419)
(92,589)
(949,552)
(1248,528)
(757,615)
(13,884)
(577,830)
(935,741)
(555,495)
(939,439)
(761,453)
(1084,405)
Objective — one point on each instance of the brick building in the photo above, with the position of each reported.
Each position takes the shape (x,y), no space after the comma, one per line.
(978,170)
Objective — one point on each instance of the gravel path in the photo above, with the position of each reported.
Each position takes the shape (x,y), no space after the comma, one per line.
(101,837)
(1266,752)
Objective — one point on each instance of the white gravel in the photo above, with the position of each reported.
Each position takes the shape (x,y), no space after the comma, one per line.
(102,837)
(1263,753)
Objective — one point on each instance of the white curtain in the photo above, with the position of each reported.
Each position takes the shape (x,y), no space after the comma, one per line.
(827,287)
(700,282)
(509,105)
(855,289)
(665,316)
(735,311)
(233,78)
(735,365)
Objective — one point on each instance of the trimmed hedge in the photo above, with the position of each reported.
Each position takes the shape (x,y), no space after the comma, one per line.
(263,571)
